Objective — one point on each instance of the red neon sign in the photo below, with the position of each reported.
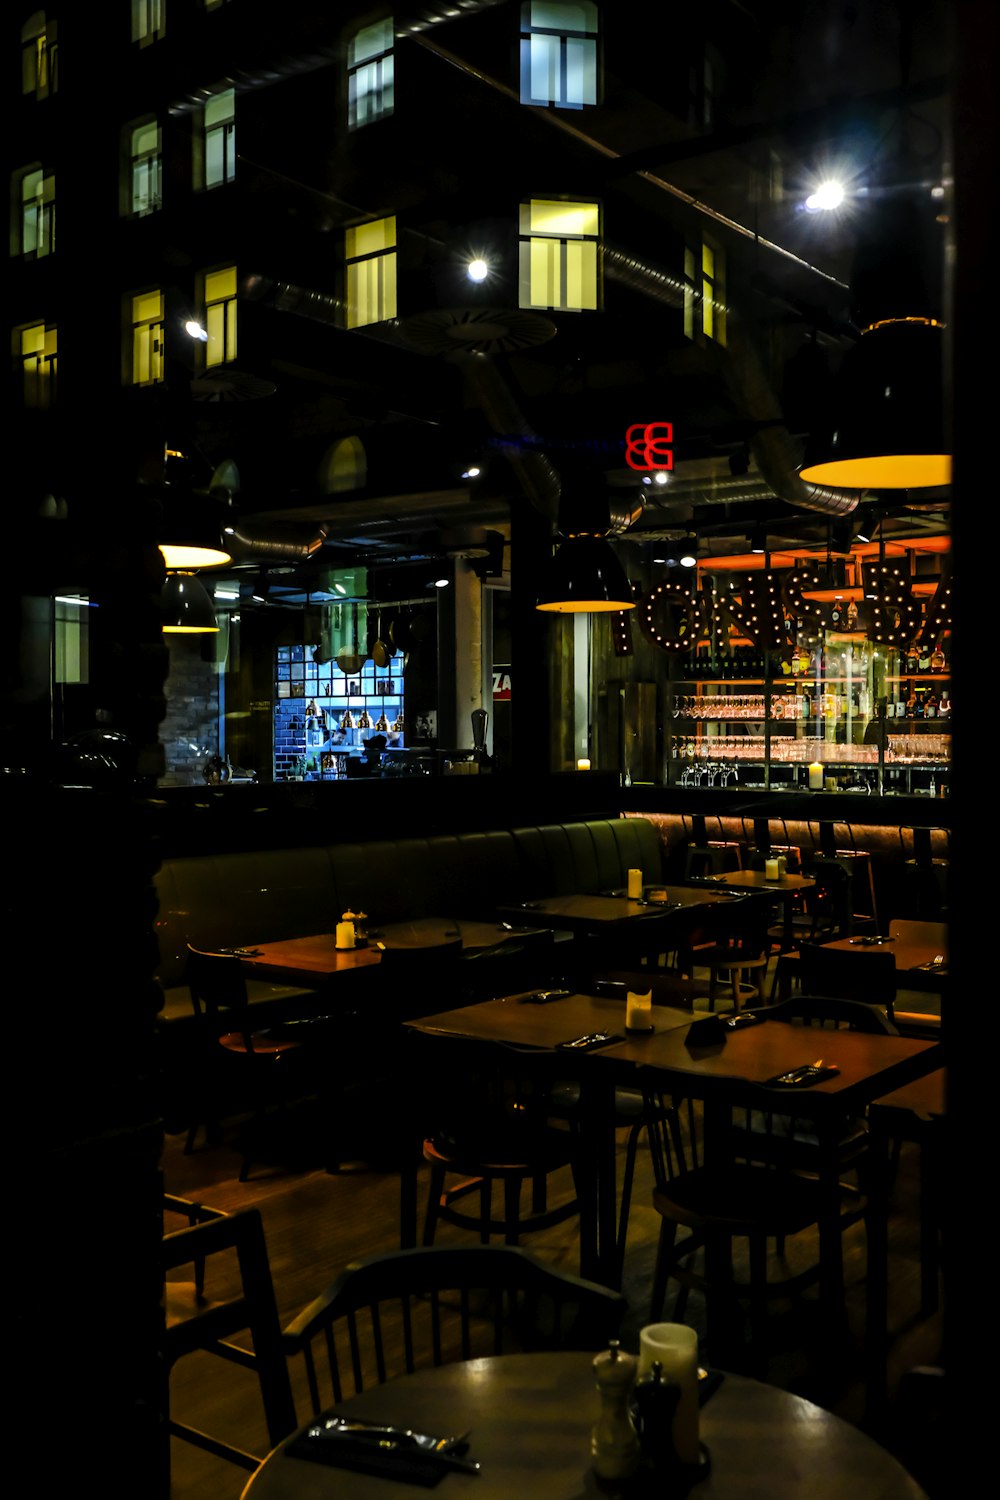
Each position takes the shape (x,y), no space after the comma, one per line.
(647,446)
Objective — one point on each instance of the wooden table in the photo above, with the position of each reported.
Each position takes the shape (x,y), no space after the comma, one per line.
(529,1419)
(724,1073)
(913,954)
(783,890)
(915,1112)
(584,912)
(318,955)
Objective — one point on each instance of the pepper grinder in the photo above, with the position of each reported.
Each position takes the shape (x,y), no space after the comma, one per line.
(654,1405)
(614,1443)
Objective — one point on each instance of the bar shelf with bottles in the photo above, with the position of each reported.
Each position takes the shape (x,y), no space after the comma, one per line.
(837,712)
(328,713)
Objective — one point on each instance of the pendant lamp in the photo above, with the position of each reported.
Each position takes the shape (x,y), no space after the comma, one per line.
(187,609)
(886,427)
(585,577)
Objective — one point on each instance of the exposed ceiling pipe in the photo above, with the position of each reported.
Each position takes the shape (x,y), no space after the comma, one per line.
(252,542)
(772,444)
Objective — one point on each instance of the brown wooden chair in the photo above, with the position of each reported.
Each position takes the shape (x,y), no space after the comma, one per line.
(731,941)
(864,974)
(494,1121)
(388,1315)
(196,1322)
(244,1068)
(718,1202)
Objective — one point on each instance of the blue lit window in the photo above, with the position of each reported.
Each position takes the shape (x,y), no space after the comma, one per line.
(220,138)
(370,75)
(559,53)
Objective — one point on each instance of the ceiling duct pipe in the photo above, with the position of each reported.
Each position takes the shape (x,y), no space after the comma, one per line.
(257,543)
(772,443)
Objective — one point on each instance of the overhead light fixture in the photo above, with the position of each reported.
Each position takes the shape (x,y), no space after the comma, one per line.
(187,609)
(585,577)
(440,583)
(885,430)
(758,540)
(827,197)
(194,330)
(688,553)
(477,269)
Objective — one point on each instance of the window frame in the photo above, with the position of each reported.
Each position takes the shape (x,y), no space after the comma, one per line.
(148,21)
(40,44)
(530,241)
(226,130)
(133,159)
(385,264)
(150,328)
(383,90)
(228,305)
(561,41)
(35,212)
(39,367)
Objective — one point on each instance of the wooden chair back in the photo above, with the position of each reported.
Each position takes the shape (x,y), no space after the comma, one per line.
(391,1314)
(865,974)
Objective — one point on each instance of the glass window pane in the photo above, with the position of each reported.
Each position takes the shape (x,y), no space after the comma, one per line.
(369,42)
(581,72)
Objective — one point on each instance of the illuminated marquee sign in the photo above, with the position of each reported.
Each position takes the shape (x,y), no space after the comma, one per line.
(647,446)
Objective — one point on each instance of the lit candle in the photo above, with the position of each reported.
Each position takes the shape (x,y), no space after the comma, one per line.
(676,1347)
(638,1011)
(583,765)
(816,777)
(772,869)
(635,885)
(345,934)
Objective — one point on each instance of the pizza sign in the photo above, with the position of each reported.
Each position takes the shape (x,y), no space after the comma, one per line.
(501,686)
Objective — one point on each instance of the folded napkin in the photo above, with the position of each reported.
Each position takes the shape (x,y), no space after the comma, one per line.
(392,1453)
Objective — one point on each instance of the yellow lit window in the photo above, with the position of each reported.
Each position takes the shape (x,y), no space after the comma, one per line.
(149,21)
(35,349)
(370,74)
(39,56)
(705,294)
(71,639)
(147,338)
(220,315)
(559,255)
(559,53)
(371,272)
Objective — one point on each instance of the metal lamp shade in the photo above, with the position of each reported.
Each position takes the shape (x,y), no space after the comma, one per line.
(584,577)
(187,609)
(886,429)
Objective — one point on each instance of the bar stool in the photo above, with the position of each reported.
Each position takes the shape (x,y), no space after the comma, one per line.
(758,844)
(925,873)
(709,856)
(858,862)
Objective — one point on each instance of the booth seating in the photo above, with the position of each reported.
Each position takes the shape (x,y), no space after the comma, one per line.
(236,900)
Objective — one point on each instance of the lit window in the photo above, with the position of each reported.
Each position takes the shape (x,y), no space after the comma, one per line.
(149,21)
(39,56)
(559,53)
(145,167)
(71,642)
(705,294)
(35,351)
(220,138)
(370,74)
(33,230)
(559,255)
(344,466)
(220,316)
(371,272)
(147,338)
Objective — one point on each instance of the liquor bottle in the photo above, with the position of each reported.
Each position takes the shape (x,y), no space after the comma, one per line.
(813,665)
(911,701)
(852,614)
(937,659)
(924,661)
(918,707)
(912,659)
(931,705)
(944,707)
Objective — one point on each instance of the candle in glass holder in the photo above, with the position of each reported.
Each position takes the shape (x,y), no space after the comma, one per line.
(635,885)
(675,1345)
(345,934)
(816,776)
(583,764)
(638,1011)
(772,869)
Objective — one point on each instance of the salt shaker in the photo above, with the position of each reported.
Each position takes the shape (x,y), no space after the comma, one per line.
(614,1443)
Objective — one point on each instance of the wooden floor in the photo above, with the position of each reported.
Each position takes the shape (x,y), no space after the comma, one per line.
(316,1222)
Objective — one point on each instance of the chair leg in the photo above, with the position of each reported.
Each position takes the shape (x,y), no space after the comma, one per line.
(485,1208)
(433,1201)
(661,1274)
(628,1177)
(512,1208)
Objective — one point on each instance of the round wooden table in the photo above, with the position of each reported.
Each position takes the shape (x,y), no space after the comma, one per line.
(529,1418)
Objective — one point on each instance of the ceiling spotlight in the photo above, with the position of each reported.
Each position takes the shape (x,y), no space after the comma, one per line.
(472,472)
(477,270)
(688,555)
(828,196)
(440,583)
(758,540)
(660,477)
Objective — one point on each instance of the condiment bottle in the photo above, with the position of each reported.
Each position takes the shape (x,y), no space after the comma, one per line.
(654,1404)
(614,1443)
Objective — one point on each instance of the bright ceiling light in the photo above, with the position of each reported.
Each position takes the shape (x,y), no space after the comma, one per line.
(195,330)
(660,477)
(472,472)
(828,196)
(688,552)
(477,270)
